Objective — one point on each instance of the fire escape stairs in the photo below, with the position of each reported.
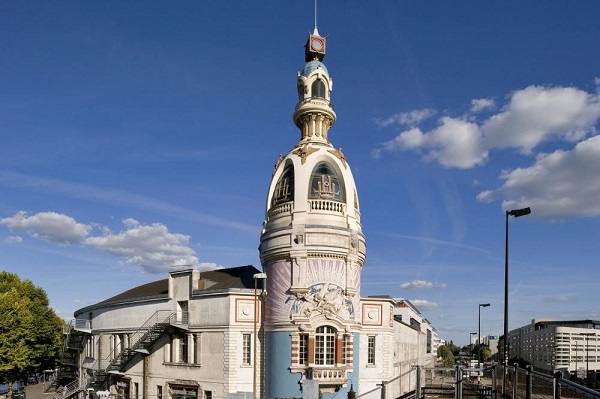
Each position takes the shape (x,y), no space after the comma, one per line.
(96,376)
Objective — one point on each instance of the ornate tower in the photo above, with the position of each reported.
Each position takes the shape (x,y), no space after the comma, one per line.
(312,250)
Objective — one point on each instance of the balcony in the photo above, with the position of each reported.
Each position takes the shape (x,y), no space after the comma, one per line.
(327,206)
(328,375)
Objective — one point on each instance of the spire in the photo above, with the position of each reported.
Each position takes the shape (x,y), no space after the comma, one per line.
(314,113)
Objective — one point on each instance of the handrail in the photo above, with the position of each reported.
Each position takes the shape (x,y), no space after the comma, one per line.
(159,317)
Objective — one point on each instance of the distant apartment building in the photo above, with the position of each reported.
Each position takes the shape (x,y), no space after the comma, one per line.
(569,346)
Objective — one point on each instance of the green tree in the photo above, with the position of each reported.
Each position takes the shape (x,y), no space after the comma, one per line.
(30,331)
(445,352)
(486,353)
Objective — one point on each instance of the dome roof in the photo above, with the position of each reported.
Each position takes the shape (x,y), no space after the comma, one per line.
(313,65)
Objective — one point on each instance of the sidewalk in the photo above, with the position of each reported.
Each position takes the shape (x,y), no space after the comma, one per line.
(36,391)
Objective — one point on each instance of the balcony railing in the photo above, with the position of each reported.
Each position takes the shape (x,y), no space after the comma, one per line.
(327,375)
(327,206)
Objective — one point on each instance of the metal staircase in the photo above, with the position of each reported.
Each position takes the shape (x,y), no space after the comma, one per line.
(97,374)
(73,344)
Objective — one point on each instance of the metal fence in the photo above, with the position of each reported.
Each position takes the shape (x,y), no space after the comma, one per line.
(524,383)
(465,383)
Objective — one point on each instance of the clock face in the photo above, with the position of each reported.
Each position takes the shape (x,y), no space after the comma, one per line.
(317,44)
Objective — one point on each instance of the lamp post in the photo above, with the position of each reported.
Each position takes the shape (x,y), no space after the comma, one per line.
(263,277)
(516,213)
(587,357)
(470,337)
(481,305)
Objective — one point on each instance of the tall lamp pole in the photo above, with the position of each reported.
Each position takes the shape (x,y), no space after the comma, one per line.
(257,276)
(516,213)
(470,337)
(481,305)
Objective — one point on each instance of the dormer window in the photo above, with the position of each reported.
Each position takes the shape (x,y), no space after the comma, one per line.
(318,89)
(284,190)
(325,183)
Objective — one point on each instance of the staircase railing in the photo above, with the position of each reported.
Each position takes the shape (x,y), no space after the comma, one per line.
(157,323)
(143,338)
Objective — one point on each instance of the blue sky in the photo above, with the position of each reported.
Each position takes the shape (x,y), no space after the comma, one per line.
(139,135)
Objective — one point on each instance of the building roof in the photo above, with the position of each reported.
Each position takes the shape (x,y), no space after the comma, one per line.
(241,277)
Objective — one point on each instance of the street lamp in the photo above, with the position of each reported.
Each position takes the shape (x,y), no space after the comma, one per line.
(263,277)
(516,213)
(587,356)
(481,305)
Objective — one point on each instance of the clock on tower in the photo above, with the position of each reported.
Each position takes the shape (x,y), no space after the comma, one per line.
(315,48)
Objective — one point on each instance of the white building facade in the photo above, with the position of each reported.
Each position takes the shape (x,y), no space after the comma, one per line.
(571,346)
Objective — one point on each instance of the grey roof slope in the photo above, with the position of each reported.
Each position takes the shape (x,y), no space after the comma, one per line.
(239,277)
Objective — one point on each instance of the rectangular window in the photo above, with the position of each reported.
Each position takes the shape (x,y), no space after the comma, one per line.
(183,349)
(197,347)
(303,349)
(159,392)
(207,394)
(371,350)
(89,347)
(136,390)
(325,346)
(246,349)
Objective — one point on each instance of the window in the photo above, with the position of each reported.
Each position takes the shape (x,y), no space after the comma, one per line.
(197,348)
(89,347)
(246,349)
(324,183)
(136,390)
(303,349)
(284,190)
(183,349)
(207,394)
(159,392)
(318,89)
(371,350)
(325,346)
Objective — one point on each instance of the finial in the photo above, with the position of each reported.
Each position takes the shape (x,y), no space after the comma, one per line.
(316,17)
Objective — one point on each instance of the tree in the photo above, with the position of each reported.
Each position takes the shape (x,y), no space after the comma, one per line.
(486,353)
(446,353)
(30,331)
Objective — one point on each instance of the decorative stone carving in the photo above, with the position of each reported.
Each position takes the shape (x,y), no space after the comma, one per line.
(325,298)
(277,163)
(339,155)
(304,151)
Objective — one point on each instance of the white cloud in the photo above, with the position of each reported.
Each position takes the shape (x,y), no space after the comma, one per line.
(454,143)
(560,184)
(422,304)
(481,104)
(560,298)
(14,240)
(417,285)
(537,114)
(532,115)
(406,118)
(49,226)
(421,284)
(152,247)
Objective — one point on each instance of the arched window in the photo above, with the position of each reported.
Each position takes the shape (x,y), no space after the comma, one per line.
(325,337)
(300,90)
(284,190)
(325,183)
(318,89)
